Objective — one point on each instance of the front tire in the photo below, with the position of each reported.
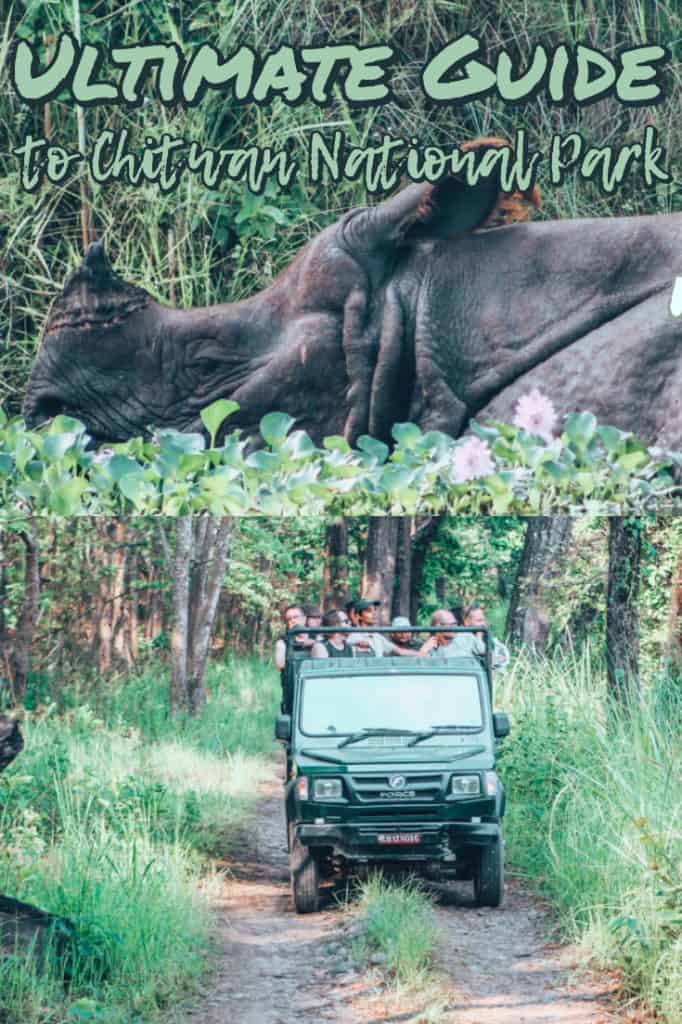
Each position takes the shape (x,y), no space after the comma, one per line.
(305,876)
(489,875)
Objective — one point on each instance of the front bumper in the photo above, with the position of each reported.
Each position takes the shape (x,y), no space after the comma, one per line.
(438,842)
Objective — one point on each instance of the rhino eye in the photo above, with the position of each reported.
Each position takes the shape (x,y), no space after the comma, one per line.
(206,365)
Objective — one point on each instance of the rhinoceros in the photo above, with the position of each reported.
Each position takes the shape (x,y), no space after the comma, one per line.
(11,741)
(415,309)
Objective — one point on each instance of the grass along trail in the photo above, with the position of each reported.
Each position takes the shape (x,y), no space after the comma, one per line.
(275,967)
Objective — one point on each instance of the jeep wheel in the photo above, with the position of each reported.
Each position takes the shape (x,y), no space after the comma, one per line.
(305,876)
(489,875)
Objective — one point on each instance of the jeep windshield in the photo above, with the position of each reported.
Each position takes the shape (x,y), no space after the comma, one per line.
(404,705)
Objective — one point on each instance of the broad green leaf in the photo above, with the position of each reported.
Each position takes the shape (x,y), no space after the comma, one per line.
(336,443)
(66,425)
(275,426)
(633,460)
(65,499)
(298,445)
(406,434)
(215,414)
(55,446)
(177,441)
(377,449)
(580,428)
(133,487)
(611,437)
(267,461)
(122,465)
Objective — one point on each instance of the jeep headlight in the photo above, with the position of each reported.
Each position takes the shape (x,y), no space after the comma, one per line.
(466,785)
(327,789)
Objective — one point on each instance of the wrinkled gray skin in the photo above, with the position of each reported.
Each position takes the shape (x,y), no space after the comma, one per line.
(403,311)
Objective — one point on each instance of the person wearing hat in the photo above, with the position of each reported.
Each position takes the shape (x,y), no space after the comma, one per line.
(405,641)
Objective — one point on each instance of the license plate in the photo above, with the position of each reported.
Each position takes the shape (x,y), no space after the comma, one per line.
(399,838)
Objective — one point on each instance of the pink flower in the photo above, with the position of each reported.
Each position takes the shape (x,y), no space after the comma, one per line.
(471,459)
(536,414)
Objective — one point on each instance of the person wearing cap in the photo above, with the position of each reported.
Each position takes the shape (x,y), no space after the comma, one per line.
(351,612)
(405,641)
(377,644)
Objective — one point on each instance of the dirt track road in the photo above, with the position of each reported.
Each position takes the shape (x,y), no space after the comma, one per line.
(278,968)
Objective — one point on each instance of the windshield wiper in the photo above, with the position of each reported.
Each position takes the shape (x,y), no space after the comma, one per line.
(437,730)
(322,757)
(357,736)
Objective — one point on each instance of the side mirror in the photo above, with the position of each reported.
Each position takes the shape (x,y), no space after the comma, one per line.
(283,727)
(501,725)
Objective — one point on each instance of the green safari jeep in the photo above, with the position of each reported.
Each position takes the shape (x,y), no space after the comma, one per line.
(391,762)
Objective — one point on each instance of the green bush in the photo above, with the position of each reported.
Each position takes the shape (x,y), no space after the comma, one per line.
(499,469)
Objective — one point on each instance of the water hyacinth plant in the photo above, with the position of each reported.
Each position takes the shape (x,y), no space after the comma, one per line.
(536,414)
(497,468)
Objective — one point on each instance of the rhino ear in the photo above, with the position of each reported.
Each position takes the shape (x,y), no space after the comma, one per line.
(445,209)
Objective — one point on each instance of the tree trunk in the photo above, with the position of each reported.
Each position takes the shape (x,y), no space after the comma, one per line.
(336,564)
(543,558)
(403,568)
(20,658)
(673,647)
(425,532)
(622,623)
(133,609)
(179,628)
(208,581)
(119,604)
(378,575)
(3,596)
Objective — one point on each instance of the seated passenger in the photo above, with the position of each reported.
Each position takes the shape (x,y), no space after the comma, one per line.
(294,615)
(404,640)
(458,611)
(450,645)
(313,618)
(474,615)
(333,645)
(377,644)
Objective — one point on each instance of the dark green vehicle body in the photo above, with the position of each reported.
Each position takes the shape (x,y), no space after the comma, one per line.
(407,798)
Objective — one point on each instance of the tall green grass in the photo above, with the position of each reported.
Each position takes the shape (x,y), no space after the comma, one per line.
(105,819)
(197,245)
(594,816)
(398,922)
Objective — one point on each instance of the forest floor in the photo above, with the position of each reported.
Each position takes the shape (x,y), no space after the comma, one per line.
(275,967)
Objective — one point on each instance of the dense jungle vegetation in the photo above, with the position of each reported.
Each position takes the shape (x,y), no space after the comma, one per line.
(135,777)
